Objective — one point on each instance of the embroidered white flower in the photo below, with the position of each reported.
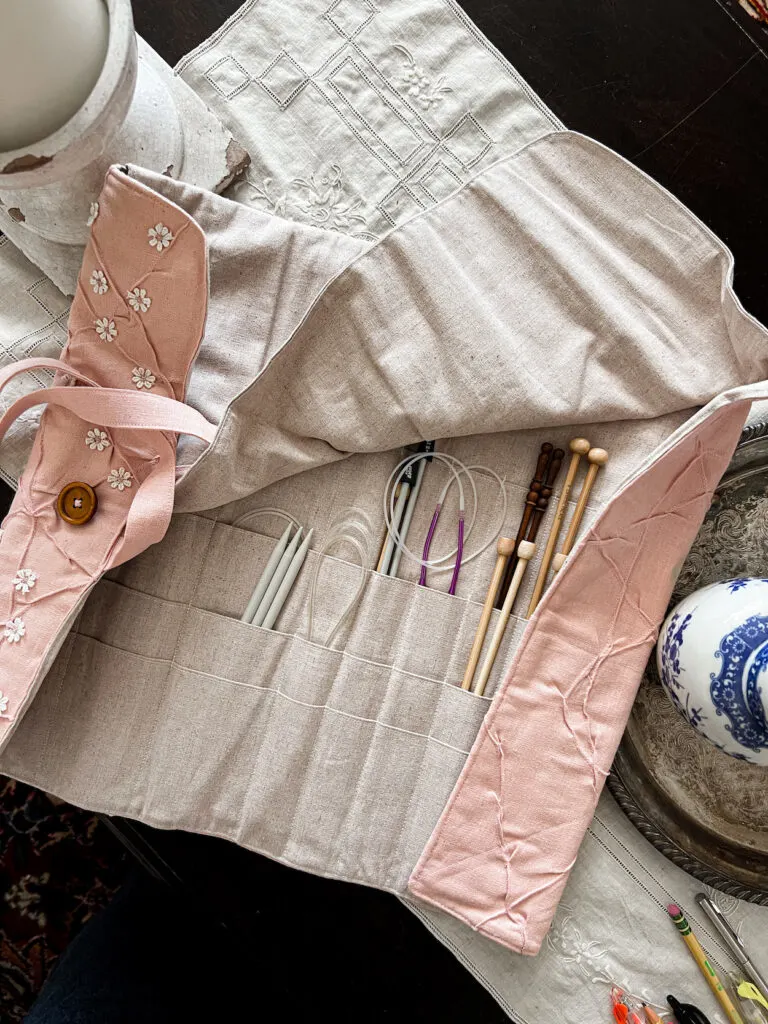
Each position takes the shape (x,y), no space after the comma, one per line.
(93,213)
(105,329)
(422,87)
(142,378)
(3,703)
(160,237)
(119,478)
(24,580)
(14,630)
(99,282)
(323,197)
(139,300)
(97,440)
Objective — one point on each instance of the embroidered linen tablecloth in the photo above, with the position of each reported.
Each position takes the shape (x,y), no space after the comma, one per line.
(359,115)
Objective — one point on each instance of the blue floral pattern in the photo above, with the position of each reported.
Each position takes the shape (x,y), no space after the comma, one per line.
(735,585)
(670,653)
(735,689)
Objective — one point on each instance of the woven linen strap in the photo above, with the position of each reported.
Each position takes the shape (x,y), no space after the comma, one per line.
(152,506)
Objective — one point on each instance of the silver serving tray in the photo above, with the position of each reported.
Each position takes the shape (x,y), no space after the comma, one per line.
(705,811)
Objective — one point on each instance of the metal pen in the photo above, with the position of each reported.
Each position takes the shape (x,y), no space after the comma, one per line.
(735,946)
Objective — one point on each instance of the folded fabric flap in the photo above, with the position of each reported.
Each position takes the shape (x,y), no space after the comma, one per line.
(99,485)
(561,286)
(500,855)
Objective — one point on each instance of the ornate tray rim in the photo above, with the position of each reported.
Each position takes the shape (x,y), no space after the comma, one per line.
(628,803)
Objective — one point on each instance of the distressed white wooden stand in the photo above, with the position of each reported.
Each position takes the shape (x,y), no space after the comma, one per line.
(138,112)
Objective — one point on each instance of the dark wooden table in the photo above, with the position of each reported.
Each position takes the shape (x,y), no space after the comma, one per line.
(681,88)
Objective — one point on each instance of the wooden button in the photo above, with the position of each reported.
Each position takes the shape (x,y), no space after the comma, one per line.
(77,503)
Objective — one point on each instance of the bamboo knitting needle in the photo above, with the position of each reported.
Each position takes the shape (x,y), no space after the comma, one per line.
(504,549)
(597,457)
(579,446)
(531,499)
(525,552)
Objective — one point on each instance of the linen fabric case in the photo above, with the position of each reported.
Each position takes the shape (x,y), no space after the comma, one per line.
(560,292)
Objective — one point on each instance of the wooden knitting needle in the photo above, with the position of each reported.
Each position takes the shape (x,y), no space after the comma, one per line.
(525,552)
(597,457)
(531,498)
(538,512)
(553,470)
(504,549)
(579,446)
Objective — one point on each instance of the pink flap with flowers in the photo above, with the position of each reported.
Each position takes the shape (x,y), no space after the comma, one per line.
(111,423)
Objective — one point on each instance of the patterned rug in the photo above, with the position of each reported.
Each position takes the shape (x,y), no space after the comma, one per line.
(58,865)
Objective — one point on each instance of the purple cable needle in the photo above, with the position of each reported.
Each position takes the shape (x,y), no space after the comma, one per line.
(427,543)
(459,553)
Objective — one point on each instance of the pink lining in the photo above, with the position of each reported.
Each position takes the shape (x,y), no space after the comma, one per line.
(500,855)
(136,320)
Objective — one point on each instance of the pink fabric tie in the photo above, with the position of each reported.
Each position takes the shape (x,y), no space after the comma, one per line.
(152,507)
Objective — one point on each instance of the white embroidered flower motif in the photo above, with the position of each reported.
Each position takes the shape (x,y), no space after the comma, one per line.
(99,282)
(24,580)
(324,200)
(119,478)
(3,703)
(14,630)
(419,85)
(97,440)
(105,329)
(160,237)
(93,213)
(139,300)
(142,378)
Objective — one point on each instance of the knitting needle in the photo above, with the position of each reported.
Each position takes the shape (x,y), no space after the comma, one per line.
(266,576)
(413,497)
(405,487)
(553,470)
(579,446)
(525,552)
(288,580)
(597,457)
(387,536)
(504,549)
(534,490)
(277,579)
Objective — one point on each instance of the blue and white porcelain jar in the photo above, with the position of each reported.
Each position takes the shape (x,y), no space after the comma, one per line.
(712,656)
